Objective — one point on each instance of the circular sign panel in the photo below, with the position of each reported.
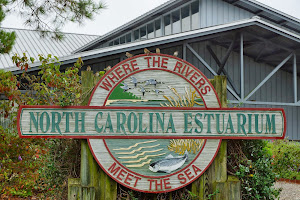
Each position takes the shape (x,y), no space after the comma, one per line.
(154,164)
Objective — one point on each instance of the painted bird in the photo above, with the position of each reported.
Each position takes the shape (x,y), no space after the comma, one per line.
(143,90)
(157,50)
(133,80)
(175,53)
(151,82)
(125,87)
(128,55)
(146,51)
(107,68)
(157,91)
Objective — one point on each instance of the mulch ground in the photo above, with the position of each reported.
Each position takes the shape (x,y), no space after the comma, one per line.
(290,191)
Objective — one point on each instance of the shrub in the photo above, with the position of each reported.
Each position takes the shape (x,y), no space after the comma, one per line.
(31,166)
(286,158)
(20,163)
(249,160)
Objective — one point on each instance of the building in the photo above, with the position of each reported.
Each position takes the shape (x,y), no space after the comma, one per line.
(256,46)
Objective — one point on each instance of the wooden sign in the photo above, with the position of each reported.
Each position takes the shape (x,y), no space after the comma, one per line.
(154,123)
(145,122)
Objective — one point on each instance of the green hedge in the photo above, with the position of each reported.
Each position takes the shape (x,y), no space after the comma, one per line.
(250,161)
(286,158)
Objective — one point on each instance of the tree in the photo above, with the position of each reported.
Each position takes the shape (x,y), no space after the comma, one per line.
(46,16)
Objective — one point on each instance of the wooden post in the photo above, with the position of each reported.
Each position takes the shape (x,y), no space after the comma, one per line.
(220,162)
(91,174)
(215,179)
(93,183)
(225,187)
(74,189)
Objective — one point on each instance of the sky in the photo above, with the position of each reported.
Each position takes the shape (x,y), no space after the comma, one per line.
(119,12)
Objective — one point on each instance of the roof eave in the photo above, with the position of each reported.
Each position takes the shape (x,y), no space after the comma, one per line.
(272,10)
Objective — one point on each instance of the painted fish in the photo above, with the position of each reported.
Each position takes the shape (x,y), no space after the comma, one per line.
(169,163)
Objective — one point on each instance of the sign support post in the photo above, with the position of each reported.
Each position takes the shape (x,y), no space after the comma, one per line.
(216,178)
(220,162)
(229,186)
(93,183)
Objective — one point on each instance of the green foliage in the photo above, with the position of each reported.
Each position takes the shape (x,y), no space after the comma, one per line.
(19,163)
(52,86)
(286,158)
(101,73)
(61,162)
(3,3)
(192,195)
(46,16)
(249,160)
(210,196)
(7,40)
(38,166)
(132,196)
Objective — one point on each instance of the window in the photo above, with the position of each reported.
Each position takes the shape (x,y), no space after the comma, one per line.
(195,15)
(136,34)
(150,30)
(185,18)
(167,21)
(122,40)
(128,37)
(157,25)
(176,28)
(116,42)
(143,32)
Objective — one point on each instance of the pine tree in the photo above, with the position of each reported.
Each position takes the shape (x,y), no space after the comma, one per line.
(45,16)
(6,39)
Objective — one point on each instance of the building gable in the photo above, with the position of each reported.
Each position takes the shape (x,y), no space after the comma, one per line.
(215,12)
(185,16)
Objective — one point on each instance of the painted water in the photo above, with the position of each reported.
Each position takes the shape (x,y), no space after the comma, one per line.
(138,154)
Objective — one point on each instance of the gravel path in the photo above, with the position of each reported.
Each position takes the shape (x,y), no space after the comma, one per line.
(290,191)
